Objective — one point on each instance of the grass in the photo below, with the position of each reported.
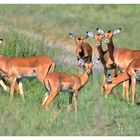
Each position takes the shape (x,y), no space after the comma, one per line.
(42,30)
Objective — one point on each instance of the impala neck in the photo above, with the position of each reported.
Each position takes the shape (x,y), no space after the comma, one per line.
(120,78)
(84,78)
(3,63)
(101,52)
(110,46)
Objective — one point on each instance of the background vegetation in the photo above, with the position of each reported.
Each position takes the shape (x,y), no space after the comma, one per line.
(43,30)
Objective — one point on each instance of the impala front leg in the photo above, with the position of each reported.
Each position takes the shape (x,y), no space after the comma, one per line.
(103,81)
(12,88)
(70,101)
(76,100)
(6,88)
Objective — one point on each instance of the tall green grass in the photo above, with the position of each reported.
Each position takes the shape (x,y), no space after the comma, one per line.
(42,30)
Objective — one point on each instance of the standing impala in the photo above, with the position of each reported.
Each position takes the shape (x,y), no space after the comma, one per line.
(83,50)
(132,72)
(29,67)
(121,56)
(58,81)
(103,56)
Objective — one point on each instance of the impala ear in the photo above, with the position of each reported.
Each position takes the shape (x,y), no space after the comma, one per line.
(1,40)
(108,79)
(72,36)
(90,34)
(117,31)
(100,31)
(95,61)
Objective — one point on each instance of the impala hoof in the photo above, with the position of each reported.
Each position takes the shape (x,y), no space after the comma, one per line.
(105,97)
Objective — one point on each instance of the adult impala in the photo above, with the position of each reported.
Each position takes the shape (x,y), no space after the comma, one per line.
(3,76)
(83,50)
(58,81)
(132,72)
(121,56)
(104,56)
(28,67)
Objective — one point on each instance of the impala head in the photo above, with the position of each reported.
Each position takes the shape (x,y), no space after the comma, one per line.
(109,34)
(88,66)
(107,89)
(98,37)
(78,39)
(1,41)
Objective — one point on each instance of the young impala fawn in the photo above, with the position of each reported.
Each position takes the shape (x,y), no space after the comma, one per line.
(103,56)
(121,56)
(30,67)
(58,81)
(83,50)
(132,72)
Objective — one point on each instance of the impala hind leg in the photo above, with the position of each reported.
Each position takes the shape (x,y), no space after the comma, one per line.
(70,101)
(115,89)
(127,90)
(103,83)
(50,98)
(133,80)
(44,99)
(79,69)
(123,90)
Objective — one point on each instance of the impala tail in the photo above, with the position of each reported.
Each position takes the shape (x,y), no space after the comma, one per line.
(51,69)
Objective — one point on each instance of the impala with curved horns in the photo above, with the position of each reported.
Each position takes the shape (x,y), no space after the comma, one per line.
(83,50)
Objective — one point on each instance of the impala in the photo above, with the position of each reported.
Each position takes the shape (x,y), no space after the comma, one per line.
(3,76)
(103,56)
(120,56)
(83,50)
(58,81)
(30,67)
(132,72)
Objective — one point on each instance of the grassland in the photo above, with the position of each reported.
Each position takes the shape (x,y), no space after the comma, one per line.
(42,30)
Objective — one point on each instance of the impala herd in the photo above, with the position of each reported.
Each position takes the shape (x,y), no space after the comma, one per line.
(123,62)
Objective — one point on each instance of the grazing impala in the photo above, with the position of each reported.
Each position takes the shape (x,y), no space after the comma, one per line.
(132,72)
(121,56)
(83,50)
(30,67)
(58,81)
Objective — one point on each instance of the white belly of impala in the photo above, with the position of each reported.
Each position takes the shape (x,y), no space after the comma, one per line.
(66,89)
(28,76)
